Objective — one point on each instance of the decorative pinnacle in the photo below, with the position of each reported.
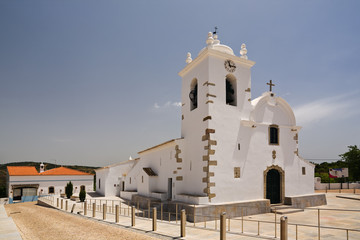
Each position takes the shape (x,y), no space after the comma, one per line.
(243,51)
(188,59)
(210,39)
(216,40)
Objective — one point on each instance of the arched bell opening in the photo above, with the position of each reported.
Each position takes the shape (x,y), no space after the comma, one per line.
(193,95)
(230,88)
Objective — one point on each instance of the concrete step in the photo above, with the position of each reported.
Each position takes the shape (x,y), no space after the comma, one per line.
(284,209)
(278,207)
(288,210)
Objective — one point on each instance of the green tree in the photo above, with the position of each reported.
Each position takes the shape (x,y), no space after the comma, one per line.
(3,191)
(322,171)
(352,158)
(82,195)
(69,189)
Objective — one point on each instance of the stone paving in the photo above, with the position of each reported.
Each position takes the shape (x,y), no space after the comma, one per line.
(8,229)
(335,224)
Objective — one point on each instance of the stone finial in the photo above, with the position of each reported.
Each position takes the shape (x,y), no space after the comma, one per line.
(210,39)
(216,40)
(188,59)
(243,51)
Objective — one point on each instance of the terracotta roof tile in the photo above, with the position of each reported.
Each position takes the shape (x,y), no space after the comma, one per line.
(22,170)
(64,171)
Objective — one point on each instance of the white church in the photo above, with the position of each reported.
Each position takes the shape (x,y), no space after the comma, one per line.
(232,148)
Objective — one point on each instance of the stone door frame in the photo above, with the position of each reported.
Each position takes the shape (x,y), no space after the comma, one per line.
(282,181)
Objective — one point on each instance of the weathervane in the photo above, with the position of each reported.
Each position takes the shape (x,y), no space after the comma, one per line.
(215,32)
(271,85)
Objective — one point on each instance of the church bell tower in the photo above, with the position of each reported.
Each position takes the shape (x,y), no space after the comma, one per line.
(216,96)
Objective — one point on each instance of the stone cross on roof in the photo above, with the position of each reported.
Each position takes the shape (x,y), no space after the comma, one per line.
(271,85)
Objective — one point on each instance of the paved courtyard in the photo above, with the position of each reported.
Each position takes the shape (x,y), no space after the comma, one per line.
(335,224)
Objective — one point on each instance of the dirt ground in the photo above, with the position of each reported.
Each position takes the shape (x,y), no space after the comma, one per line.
(37,222)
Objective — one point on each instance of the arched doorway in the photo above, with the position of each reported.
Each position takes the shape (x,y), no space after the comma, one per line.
(274,184)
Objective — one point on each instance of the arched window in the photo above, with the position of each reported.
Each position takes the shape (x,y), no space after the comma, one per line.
(193,95)
(82,188)
(230,87)
(274,134)
(51,190)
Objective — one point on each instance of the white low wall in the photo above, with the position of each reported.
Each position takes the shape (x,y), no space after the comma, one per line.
(323,186)
(158,195)
(192,199)
(127,195)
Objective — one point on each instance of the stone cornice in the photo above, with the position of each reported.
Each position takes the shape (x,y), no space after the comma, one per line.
(211,52)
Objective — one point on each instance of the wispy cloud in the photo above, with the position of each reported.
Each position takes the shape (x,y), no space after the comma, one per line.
(168,104)
(327,109)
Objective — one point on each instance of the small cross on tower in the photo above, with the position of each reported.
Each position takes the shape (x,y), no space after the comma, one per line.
(271,85)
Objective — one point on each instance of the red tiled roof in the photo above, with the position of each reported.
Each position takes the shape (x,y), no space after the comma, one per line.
(31,170)
(22,171)
(63,171)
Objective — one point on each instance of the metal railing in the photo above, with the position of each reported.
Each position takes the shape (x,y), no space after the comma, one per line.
(249,225)
(338,190)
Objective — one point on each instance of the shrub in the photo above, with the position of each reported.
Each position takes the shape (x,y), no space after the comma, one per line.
(69,189)
(3,192)
(82,195)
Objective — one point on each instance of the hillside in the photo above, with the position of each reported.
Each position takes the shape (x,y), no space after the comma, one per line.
(48,166)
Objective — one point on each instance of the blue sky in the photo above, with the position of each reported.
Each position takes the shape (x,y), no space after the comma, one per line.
(93,82)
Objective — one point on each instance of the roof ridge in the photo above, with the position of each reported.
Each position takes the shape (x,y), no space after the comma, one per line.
(64,171)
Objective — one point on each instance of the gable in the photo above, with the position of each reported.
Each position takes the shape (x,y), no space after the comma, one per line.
(63,171)
(272,110)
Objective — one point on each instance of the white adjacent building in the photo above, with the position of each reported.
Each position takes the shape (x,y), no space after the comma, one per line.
(232,147)
(25,181)
(111,179)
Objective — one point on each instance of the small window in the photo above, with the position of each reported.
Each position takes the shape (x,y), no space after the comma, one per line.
(274,135)
(142,179)
(99,183)
(130,180)
(238,146)
(303,171)
(51,190)
(236,172)
(193,95)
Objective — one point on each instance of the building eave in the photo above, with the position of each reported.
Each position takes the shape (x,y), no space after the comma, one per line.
(159,145)
(117,164)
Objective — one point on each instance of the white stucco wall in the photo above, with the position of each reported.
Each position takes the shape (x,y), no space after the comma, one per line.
(111,178)
(163,162)
(326,186)
(255,154)
(57,181)
(101,174)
